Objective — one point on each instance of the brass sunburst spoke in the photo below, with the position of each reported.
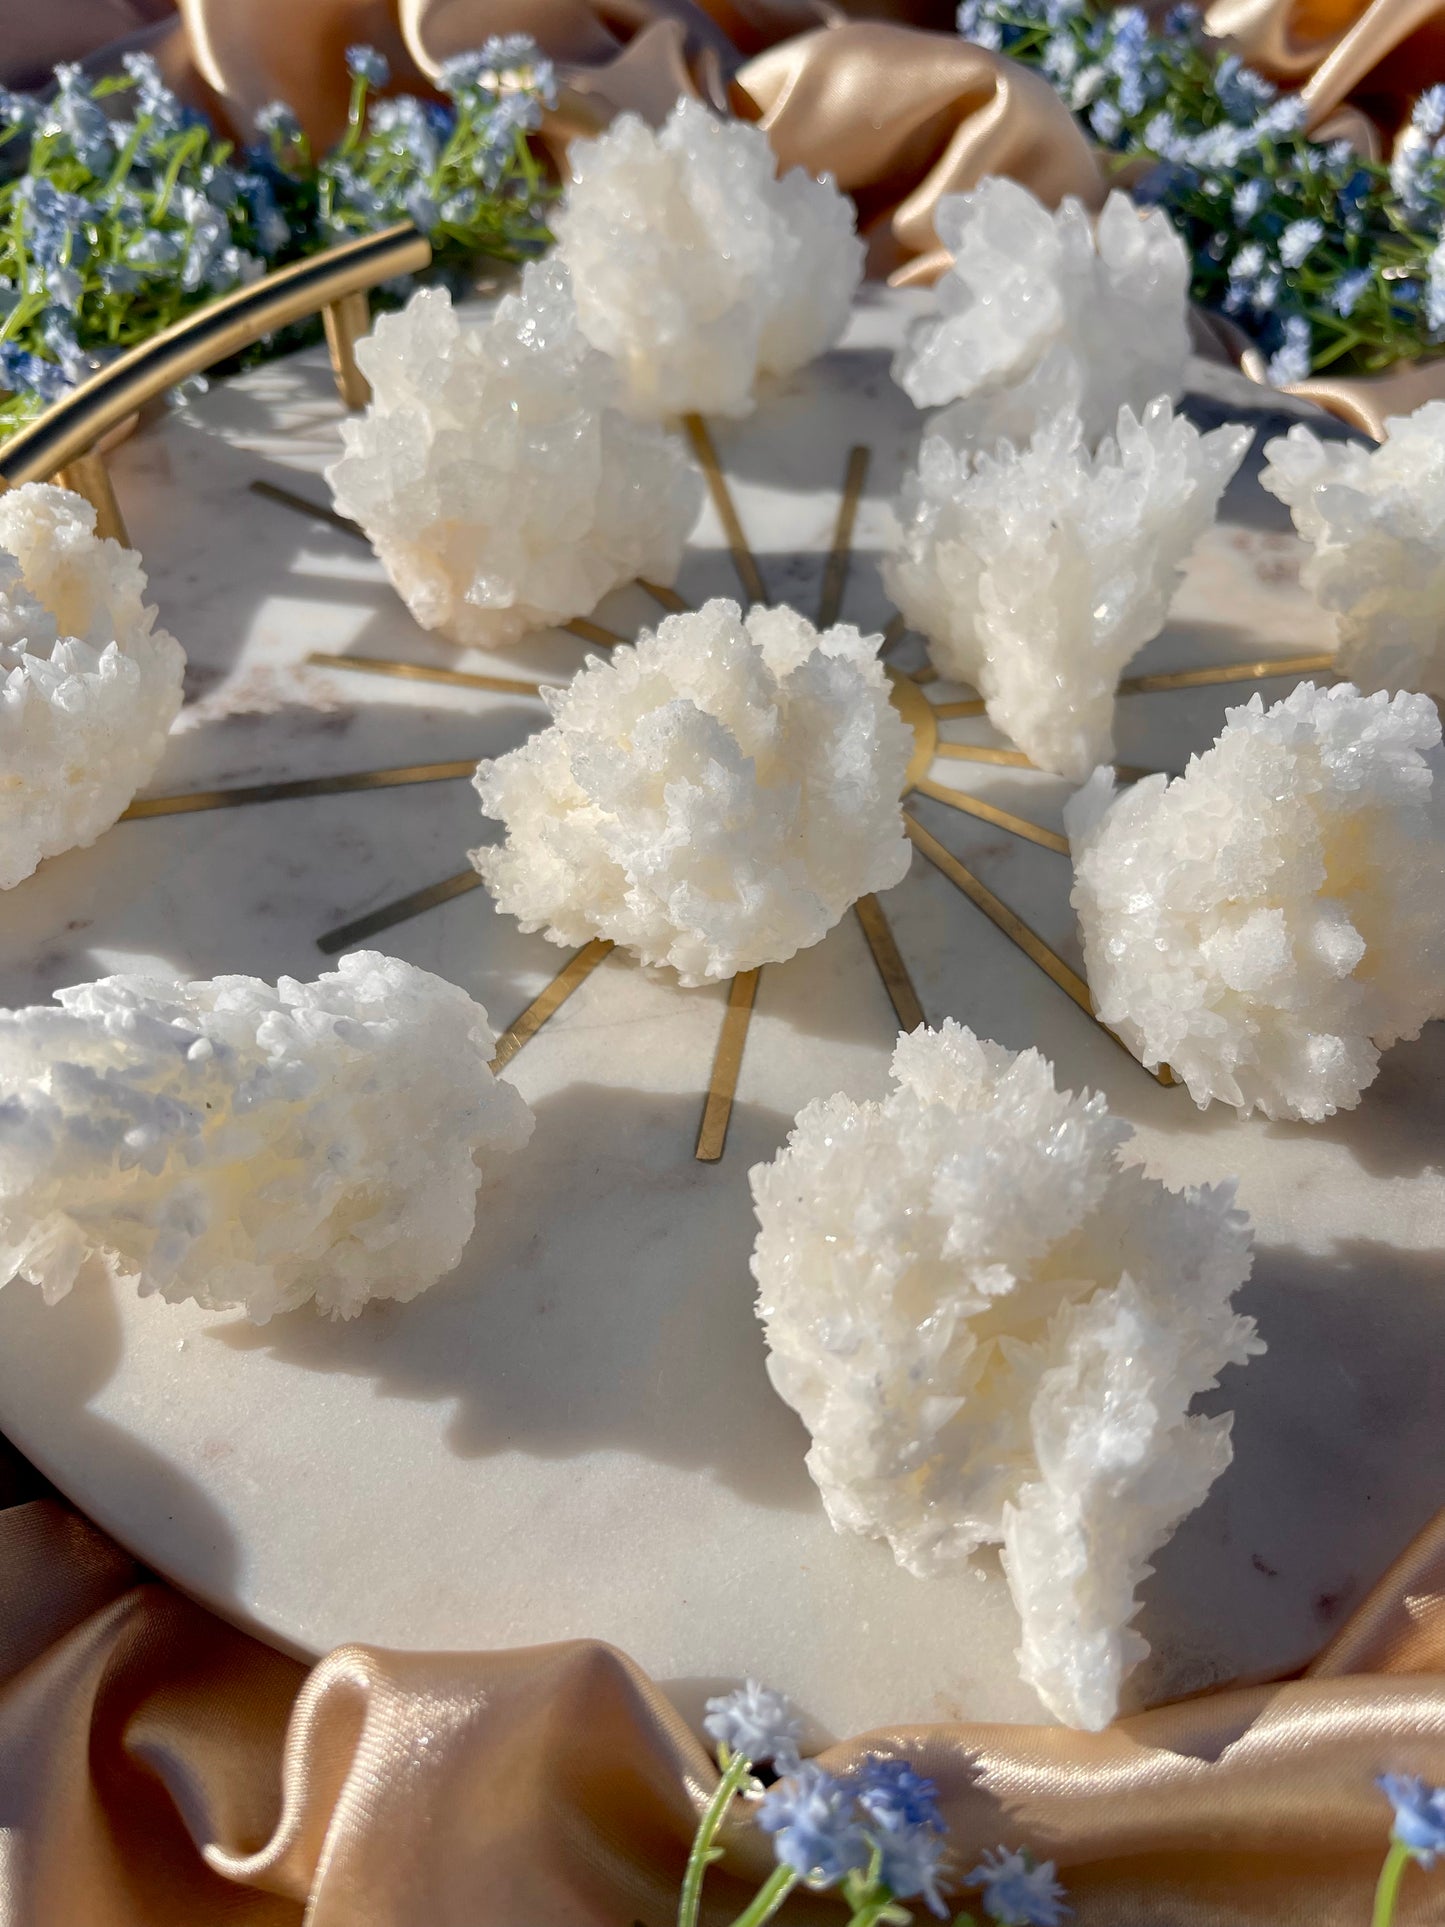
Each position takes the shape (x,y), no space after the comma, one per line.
(889,959)
(744,561)
(1015,759)
(1017,931)
(893,634)
(669,598)
(367,779)
(427,672)
(970,706)
(1225,672)
(400,911)
(727,1062)
(926,674)
(588,631)
(287,498)
(990,813)
(840,556)
(548,1002)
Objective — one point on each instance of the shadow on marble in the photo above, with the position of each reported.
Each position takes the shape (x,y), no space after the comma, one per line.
(1335,1467)
(534,1339)
(76,1347)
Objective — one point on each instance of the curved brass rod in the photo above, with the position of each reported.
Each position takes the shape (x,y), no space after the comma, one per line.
(72,426)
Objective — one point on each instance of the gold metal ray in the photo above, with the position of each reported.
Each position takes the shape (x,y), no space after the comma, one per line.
(367,779)
(587,631)
(398,911)
(990,813)
(345,322)
(835,574)
(722,1087)
(547,1002)
(88,475)
(926,674)
(889,959)
(917,712)
(972,706)
(1015,759)
(288,498)
(1017,931)
(1227,672)
(894,633)
(669,598)
(744,561)
(427,672)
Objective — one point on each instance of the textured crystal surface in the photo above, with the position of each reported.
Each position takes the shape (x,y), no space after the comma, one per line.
(1036,573)
(713,798)
(498,479)
(1044,311)
(695,267)
(993,1332)
(1376,520)
(89,687)
(246,1146)
(1268,922)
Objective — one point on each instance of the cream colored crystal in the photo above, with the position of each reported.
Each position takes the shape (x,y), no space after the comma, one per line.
(993,1332)
(1037,573)
(1044,312)
(499,480)
(250,1147)
(89,687)
(695,267)
(711,799)
(1375,518)
(1271,920)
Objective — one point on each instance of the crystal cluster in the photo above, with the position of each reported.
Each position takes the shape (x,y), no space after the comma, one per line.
(89,687)
(711,799)
(247,1146)
(1376,520)
(1036,573)
(993,1332)
(501,484)
(1043,312)
(695,267)
(1267,923)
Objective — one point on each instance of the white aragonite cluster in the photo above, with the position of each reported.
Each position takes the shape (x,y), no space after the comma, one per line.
(1375,518)
(1268,922)
(1036,573)
(89,687)
(500,483)
(993,1332)
(250,1147)
(712,798)
(695,267)
(1043,312)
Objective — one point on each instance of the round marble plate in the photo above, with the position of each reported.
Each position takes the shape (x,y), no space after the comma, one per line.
(574,1435)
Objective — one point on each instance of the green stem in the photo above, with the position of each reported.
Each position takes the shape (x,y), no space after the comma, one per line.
(770,1896)
(735,1775)
(1387,1888)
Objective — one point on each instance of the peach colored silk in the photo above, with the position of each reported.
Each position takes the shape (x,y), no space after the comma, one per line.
(160,1769)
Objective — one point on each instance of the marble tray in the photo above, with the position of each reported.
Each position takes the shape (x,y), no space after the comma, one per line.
(574,1435)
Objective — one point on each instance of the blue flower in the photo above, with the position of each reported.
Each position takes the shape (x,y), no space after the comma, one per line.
(17,110)
(155,249)
(893,1795)
(1283,120)
(812,1818)
(1290,362)
(1298,239)
(505,53)
(64,286)
(463,73)
(1419,1815)
(405,125)
(1017,1892)
(757,1723)
(1106,121)
(365,63)
(1248,199)
(1429,113)
(1435,291)
(911,1865)
(1061,57)
(1242,92)
(25,373)
(1345,294)
(117,278)
(277,122)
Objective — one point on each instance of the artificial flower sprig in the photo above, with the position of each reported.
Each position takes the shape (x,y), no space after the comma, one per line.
(874,1837)
(1418,1834)
(1328,260)
(121,212)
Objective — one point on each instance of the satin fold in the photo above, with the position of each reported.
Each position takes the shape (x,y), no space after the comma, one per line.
(160,1769)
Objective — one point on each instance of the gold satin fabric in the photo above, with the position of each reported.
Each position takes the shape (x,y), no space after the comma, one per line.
(159,1769)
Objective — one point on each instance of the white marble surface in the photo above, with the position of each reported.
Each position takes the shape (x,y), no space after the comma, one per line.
(574,1435)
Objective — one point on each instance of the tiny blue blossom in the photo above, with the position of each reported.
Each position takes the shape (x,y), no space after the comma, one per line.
(365,63)
(1345,294)
(64,286)
(1298,241)
(275,121)
(1017,1891)
(911,1866)
(1247,200)
(1291,361)
(893,1795)
(1284,119)
(1241,91)
(757,1723)
(1429,112)
(1419,1815)
(813,1820)
(1106,121)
